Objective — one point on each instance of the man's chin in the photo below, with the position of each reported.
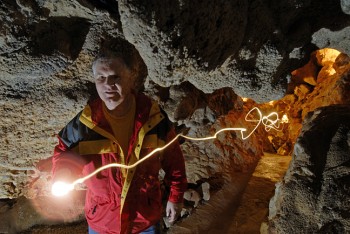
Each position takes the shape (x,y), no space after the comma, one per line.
(112,104)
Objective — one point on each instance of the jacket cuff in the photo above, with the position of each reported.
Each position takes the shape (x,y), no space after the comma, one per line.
(176,197)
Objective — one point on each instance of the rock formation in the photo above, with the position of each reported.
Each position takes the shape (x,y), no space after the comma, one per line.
(313,196)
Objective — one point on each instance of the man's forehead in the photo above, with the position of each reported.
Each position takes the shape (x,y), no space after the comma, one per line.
(113,64)
(110,61)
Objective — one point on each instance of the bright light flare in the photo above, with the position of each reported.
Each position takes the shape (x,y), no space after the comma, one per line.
(285,119)
(270,121)
(60,188)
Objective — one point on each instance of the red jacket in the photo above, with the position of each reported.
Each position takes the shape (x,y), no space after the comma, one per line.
(115,205)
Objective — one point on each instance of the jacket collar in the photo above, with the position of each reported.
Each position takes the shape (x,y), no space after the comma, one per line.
(93,117)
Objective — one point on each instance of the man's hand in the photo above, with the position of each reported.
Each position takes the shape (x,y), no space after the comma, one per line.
(63,174)
(173,210)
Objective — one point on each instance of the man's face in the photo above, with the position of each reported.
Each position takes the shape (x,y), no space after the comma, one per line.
(114,81)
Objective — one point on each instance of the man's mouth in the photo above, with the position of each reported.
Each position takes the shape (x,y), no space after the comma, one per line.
(111,92)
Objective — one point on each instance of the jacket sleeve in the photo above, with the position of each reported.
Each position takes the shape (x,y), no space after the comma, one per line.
(173,164)
(67,164)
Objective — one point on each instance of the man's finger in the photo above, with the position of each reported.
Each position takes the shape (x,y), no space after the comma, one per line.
(172,218)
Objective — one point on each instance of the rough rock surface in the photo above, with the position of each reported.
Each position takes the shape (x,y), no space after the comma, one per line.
(252,47)
(323,81)
(314,194)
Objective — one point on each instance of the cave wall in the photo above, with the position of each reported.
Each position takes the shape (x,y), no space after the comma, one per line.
(322,81)
(314,194)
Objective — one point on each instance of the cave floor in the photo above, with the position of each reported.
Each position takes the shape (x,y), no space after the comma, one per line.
(249,216)
(252,213)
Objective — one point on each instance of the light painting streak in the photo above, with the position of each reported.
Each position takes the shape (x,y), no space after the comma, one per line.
(270,121)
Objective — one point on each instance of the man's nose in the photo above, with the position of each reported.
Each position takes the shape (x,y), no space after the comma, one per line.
(111,80)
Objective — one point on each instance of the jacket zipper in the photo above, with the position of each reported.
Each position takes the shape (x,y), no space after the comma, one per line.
(94,210)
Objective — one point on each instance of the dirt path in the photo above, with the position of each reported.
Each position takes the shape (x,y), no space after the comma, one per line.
(254,206)
(242,205)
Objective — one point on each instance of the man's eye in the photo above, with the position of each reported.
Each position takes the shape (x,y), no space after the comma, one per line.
(115,77)
(100,78)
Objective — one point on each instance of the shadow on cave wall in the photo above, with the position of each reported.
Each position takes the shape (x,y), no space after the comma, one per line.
(111,6)
(66,35)
(190,23)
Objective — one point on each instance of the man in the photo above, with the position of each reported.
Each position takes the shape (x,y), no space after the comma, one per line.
(122,126)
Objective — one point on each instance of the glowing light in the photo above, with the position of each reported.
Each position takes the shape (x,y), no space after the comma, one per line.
(60,188)
(285,119)
(271,103)
(245,99)
(270,121)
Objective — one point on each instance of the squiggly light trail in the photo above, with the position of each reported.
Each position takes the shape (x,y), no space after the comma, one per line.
(270,121)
